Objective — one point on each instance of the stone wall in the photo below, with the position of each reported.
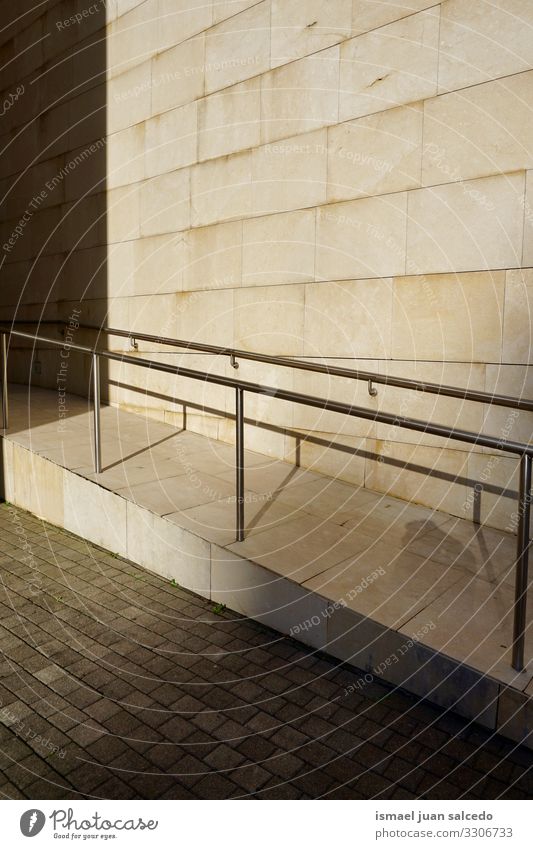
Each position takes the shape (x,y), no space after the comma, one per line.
(345,181)
(52,174)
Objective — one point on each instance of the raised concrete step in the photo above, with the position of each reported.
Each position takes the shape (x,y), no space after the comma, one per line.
(402,592)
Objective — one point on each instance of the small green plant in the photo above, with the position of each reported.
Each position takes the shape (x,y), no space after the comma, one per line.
(219,608)
(174,583)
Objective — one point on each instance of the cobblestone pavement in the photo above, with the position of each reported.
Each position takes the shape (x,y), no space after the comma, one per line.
(117,684)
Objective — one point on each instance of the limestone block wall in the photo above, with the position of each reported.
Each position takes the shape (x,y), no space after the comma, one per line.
(346,181)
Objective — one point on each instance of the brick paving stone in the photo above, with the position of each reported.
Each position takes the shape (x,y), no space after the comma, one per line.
(129,764)
(519,779)
(176,729)
(325,709)
(43,789)
(82,697)
(208,721)
(298,698)
(275,683)
(98,679)
(46,707)
(189,765)
(218,699)
(513,793)
(86,778)
(14,750)
(286,766)
(151,786)
(285,712)
(401,793)
(26,771)
(216,786)
(121,724)
(68,718)
(224,757)
(257,748)
(9,791)
(115,788)
(102,710)
(106,749)
(118,689)
(163,757)
(316,727)
(231,732)
(250,778)
(263,723)
(199,739)
(316,754)
(282,792)
(343,742)
(343,768)
(368,755)
(494,789)
(316,783)
(85,734)
(167,695)
(153,695)
(289,738)
(178,791)
(155,718)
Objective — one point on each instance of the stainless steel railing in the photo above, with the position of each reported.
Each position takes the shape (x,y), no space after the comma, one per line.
(522,450)
(236,354)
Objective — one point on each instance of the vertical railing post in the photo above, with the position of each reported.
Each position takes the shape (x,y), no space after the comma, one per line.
(96,411)
(522,557)
(5,403)
(239,462)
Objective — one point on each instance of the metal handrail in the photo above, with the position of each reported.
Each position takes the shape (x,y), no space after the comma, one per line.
(306,365)
(523,450)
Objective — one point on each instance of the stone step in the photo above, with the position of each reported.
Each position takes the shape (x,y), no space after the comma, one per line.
(404,593)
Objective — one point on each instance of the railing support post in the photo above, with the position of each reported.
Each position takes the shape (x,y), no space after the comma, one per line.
(5,403)
(96,412)
(239,462)
(522,557)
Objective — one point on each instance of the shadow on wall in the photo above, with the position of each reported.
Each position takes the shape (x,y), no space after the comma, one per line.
(53,250)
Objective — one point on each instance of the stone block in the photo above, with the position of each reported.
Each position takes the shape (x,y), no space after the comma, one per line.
(279,249)
(165,203)
(95,514)
(304,29)
(448,317)
(390,66)
(230,121)
(361,238)
(481,131)
(238,48)
(221,189)
(375,155)
(301,96)
(483,41)
(171,140)
(178,75)
(291,174)
(468,226)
